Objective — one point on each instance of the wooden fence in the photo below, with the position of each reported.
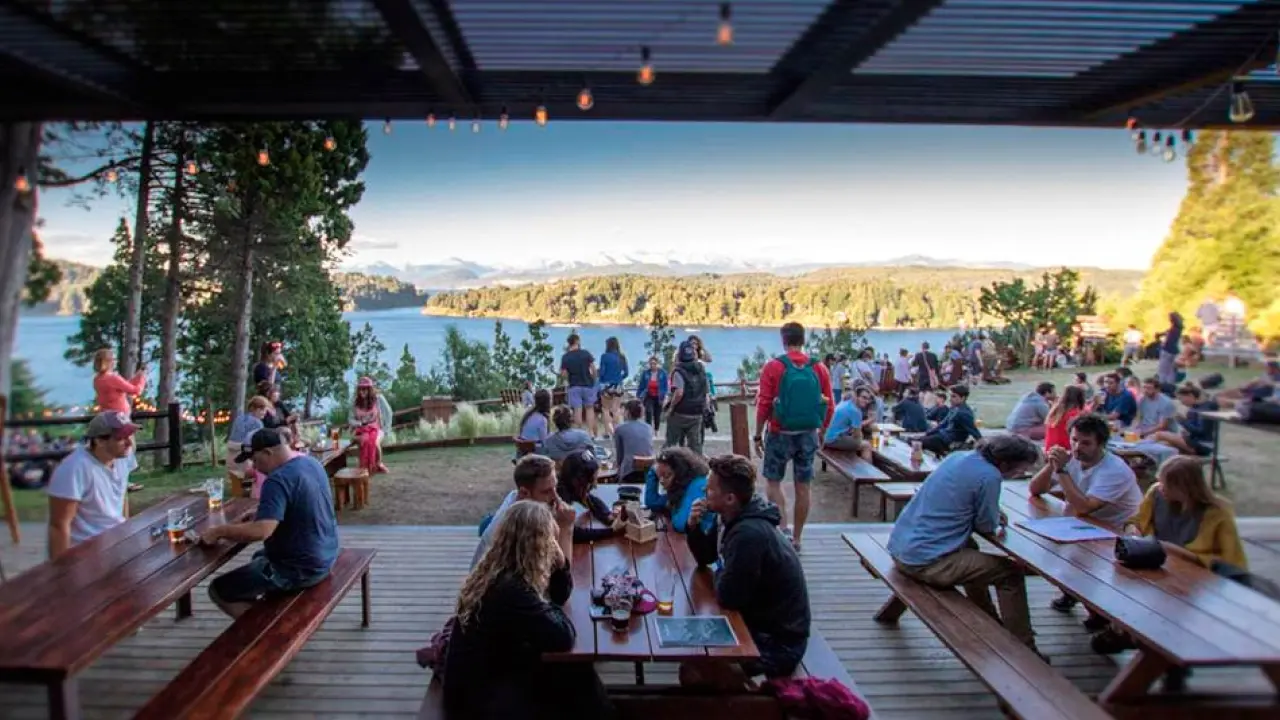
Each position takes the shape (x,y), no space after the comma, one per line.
(172,417)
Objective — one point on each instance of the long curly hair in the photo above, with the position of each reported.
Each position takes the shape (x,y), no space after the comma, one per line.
(524,547)
(686,465)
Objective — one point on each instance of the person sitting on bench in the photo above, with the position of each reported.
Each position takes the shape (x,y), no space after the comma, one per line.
(1029,415)
(854,416)
(1194,433)
(932,539)
(682,475)
(535,478)
(958,426)
(757,571)
(295,523)
(909,413)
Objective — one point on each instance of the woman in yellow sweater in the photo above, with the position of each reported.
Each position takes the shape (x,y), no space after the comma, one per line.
(1184,514)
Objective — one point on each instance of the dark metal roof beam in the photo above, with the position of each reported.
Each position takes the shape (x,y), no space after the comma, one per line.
(403,20)
(33,40)
(1203,59)
(791,100)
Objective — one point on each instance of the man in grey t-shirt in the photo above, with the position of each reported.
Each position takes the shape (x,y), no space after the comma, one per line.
(1156,411)
(1029,415)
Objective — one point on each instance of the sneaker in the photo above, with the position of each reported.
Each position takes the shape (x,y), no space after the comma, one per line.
(1094,623)
(1064,603)
(1110,642)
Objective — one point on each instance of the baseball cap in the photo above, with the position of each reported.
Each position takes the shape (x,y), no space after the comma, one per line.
(261,440)
(687,353)
(110,424)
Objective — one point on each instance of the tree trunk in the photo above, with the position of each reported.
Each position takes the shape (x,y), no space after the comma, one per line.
(244,315)
(212,428)
(131,356)
(311,393)
(19,148)
(172,304)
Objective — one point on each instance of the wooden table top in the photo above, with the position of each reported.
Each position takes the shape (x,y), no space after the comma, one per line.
(695,595)
(1183,609)
(59,616)
(894,457)
(891,427)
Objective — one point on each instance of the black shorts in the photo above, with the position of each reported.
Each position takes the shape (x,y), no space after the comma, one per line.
(253,581)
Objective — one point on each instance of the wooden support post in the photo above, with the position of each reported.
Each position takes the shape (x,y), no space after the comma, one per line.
(6,490)
(174,421)
(740,429)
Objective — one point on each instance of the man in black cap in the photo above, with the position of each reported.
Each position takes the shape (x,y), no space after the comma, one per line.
(688,400)
(295,523)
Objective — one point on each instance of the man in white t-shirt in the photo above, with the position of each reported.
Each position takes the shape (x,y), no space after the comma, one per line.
(88,492)
(1095,483)
(535,477)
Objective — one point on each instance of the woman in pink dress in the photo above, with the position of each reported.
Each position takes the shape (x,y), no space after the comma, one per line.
(370,419)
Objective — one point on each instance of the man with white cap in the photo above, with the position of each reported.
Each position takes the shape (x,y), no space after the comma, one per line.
(88,489)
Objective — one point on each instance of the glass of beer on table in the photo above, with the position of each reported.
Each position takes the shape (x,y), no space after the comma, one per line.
(215,489)
(666,594)
(176,521)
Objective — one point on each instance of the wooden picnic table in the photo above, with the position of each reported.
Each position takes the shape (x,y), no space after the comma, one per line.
(695,595)
(1181,615)
(334,458)
(60,616)
(1232,417)
(894,458)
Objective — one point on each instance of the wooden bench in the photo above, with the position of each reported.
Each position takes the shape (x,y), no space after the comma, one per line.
(1028,688)
(646,703)
(852,466)
(224,678)
(894,493)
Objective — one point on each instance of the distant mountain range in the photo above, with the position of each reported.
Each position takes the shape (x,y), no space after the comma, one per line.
(459,274)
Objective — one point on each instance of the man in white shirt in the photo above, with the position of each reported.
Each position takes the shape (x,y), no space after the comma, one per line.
(88,492)
(535,477)
(1132,345)
(1095,483)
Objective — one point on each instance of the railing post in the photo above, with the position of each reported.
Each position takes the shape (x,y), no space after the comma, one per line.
(739,429)
(175,436)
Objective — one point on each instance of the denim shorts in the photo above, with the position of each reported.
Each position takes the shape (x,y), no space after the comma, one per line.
(579,396)
(254,580)
(797,448)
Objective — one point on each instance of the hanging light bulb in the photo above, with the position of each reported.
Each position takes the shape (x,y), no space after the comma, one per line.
(453,123)
(1187,138)
(112,175)
(1170,151)
(585,99)
(231,185)
(264,159)
(386,126)
(540,115)
(475,125)
(21,183)
(724,33)
(192,168)
(1141,145)
(1157,144)
(503,119)
(1241,106)
(645,75)
(330,144)
(431,119)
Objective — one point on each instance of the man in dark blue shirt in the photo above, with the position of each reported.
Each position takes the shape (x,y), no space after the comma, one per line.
(958,426)
(295,523)
(1117,403)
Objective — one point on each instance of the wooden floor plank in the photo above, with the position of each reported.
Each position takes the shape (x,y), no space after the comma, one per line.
(905,672)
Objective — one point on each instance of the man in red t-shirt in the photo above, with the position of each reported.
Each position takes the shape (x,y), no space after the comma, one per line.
(786,389)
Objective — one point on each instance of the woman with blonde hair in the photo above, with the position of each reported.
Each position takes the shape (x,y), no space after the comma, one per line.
(111,390)
(1190,521)
(509,613)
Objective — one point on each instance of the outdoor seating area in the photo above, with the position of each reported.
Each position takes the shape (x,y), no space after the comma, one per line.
(903,671)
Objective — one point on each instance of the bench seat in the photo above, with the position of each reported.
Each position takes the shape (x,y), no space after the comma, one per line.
(852,466)
(895,493)
(668,703)
(1028,688)
(225,677)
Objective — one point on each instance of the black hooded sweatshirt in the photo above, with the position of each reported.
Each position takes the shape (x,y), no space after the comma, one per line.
(761,575)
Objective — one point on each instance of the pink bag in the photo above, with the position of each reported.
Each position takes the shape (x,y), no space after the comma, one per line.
(817,699)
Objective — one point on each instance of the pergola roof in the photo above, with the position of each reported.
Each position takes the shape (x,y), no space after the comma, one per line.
(1015,62)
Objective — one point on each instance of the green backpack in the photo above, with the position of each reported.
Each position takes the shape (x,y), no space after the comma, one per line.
(800,404)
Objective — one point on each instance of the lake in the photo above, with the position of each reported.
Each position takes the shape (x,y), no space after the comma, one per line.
(43,339)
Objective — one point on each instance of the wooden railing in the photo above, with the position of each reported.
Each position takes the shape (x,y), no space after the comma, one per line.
(172,418)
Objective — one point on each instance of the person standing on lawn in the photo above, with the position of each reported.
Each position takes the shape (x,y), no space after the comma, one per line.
(794,403)
(688,402)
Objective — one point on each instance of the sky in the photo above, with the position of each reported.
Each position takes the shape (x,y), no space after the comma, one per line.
(780,193)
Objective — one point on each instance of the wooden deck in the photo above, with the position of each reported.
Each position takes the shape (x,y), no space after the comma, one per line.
(348,672)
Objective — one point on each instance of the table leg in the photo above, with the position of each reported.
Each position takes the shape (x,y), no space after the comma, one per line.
(884,507)
(891,610)
(856,487)
(64,699)
(366,605)
(1134,680)
(337,499)
(182,610)
(1273,674)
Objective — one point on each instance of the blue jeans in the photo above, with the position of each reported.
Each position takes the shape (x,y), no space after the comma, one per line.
(798,448)
(256,579)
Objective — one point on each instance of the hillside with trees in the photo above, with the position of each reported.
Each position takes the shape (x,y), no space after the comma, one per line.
(68,294)
(375,292)
(890,297)
(1226,236)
